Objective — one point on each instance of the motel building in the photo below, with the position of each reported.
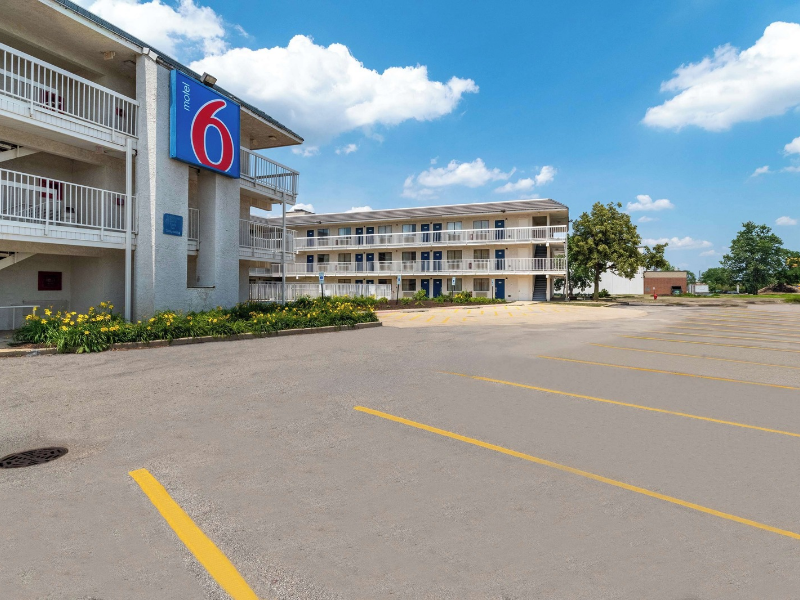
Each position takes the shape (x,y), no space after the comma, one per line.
(512,250)
(125,176)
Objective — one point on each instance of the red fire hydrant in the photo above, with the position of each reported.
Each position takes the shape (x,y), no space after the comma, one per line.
(655,296)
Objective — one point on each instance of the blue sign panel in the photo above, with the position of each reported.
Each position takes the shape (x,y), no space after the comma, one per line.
(204,126)
(173,224)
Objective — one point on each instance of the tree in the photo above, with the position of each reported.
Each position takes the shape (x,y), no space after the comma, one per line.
(717,278)
(690,278)
(653,259)
(605,240)
(790,273)
(755,258)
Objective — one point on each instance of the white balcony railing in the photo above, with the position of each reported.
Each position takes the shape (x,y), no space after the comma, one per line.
(458,237)
(271,292)
(194,225)
(57,93)
(429,267)
(268,176)
(40,200)
(262,241)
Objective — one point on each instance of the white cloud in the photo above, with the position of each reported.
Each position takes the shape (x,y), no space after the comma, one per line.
(793,147)
(790,170)
(348,149)
(359,209)
(709,253)
(434,160)
(646,203)
(646,219)
(174,29)
(301,206)
(324,91)
(472,174)
(761,171)
(675,243)
(410,190)
(305,151)
(735,86)
(785,221)
(546,175)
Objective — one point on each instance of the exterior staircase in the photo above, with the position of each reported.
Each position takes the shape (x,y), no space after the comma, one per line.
(11,258)
(540,281)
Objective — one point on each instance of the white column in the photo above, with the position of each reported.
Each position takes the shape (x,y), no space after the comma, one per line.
(283,252)
(128,228)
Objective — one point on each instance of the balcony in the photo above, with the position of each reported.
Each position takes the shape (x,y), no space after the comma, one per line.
(458,237)
(261,176)
(258,241)
(40,209)
(429,268)
(271,292)
(33,92)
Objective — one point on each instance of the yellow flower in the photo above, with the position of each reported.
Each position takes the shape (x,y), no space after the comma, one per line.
(64,328)
(104,329)
(85,333)
(72,322)
(48,312)
(103,305)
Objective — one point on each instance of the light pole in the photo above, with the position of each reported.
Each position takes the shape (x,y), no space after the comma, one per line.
(566,262)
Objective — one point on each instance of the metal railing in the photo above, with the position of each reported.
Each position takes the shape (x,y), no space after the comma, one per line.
(34,199)
(429,238)
(258,236)
(47,87)
(263,172)
(194,224)
(12,317)
(271,292)
(430,267)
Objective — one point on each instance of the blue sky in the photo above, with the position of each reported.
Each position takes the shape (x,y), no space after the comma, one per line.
(551,97)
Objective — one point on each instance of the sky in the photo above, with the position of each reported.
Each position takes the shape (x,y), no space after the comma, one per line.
(686,113)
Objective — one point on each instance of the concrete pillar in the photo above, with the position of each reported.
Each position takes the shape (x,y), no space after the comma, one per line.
(244,281)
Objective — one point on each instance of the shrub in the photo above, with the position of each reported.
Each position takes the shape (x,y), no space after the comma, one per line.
(462,296)
(405,301)
(421,295)
(793,299)
(440,299)
(603,294)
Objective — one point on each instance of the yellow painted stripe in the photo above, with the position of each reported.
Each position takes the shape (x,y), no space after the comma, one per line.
(727,337)
(744,320)
(739,324)
(579,472)
(417,317)
(641,337)
(733,360)
(204,550)
(599,364)
(446,319)
(736,330)
(430,319)
(625,404)
(749,318)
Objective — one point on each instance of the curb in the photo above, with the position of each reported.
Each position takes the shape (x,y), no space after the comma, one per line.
(9,353)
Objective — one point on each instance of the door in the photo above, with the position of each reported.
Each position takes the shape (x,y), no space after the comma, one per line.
(437,236)
(500,288)
(499,260)
(437,259)
(425,285)
(359,262)
(310,236)
(437,287)
(370,233)
(499,229)
(370,260)
(359,235)
(425,228)
(425,260)
(310,261)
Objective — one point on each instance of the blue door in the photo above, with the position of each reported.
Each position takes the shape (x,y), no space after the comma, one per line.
(437,227)
(359,235)
(370,261)
(437,287)
(499,260)
(310,235)
(425,285)
(359,262)
(425,228)
(310,262)
(499,229)
(370,233)
(437,259)
(500,288)
(425,260)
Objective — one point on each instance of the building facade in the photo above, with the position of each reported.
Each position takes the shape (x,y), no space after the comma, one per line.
(99,199)
(512,250)
(665,283)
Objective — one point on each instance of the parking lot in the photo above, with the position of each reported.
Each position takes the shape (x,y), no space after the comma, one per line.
(612,453)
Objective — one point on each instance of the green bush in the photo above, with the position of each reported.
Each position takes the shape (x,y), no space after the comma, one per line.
(462,296)
(98,329)
(440,299)
(603,294)
(421,295)
(405,301)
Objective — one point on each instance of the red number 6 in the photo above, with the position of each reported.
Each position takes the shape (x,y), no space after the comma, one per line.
(204,119)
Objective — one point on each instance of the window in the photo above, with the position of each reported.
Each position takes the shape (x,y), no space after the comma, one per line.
(454,226)
(409,285)
(451,287)
(480,224)
(384,281)
(345,257)
(351,281)
(454,255)
(323,232)
(344,231)
(384,257)
(409,256)
(384,229)
(480,254)
(323,258)
(480,284)
(410,228)
(49,281)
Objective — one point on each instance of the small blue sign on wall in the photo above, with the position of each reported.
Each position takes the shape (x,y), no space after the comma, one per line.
(203,126)
(173,225)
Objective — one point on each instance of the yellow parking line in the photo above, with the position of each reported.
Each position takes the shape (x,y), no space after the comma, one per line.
(417,317)
(746,362)
(641,337)
(204,550)
(735,330)
(726,337)
(446,319)
(740,324)
(579,472)
(495,313)
(430,319)
(464,319)
(481,312)
(599,364)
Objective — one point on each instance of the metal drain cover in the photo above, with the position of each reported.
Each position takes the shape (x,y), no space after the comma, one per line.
(31,457)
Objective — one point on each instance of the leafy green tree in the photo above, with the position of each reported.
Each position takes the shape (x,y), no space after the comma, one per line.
(717,278)
(579,277)
(605,240)
(755,258)
(790,273)
(653,258)
(690,277)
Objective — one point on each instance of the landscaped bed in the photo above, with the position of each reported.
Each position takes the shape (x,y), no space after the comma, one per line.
(99,328)
(421,300)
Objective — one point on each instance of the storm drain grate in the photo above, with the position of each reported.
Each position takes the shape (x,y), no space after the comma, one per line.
(31,457)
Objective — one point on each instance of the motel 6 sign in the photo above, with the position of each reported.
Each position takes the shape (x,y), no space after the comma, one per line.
(204,126)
